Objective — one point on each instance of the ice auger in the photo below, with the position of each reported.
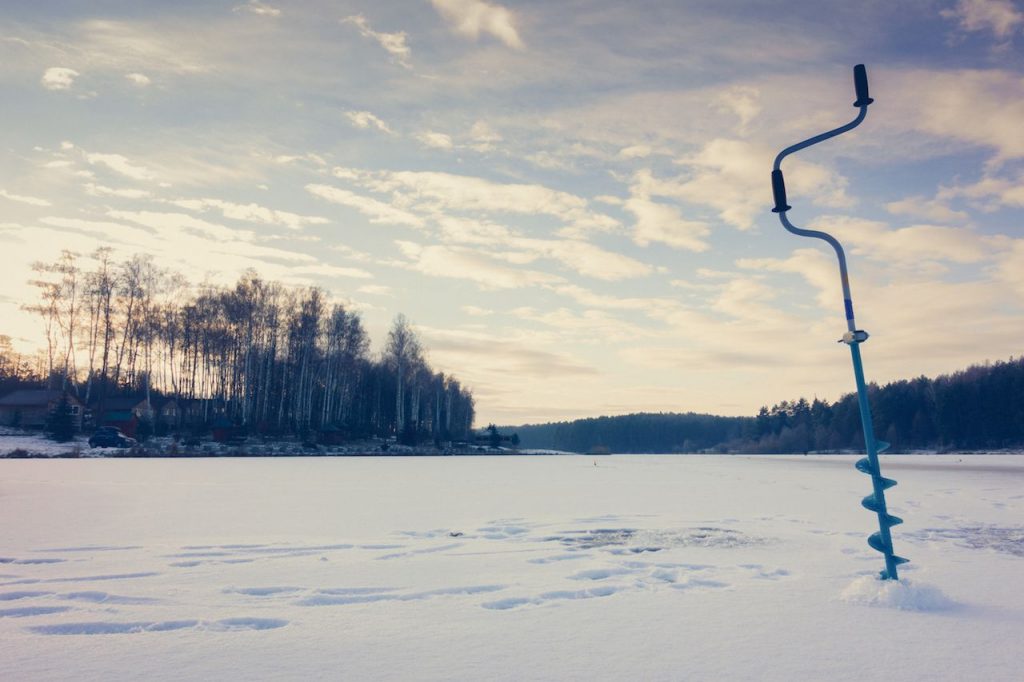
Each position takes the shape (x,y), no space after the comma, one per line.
(882,540)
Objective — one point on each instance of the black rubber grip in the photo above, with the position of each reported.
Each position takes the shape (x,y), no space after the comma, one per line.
(860,82)
(779,192)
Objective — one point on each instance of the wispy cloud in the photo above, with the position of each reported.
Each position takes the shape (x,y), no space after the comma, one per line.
(435,140)
(911,245)
(661,223)
(139,79)
(58,78)
(393,43)
(121,192)
(977,107)
(259,8)
(365,119)
(454,262)
(990,193)
(998,16)
(24,199)
(253,213)
(377,211)
(728,175)
(433,191)
(929,209)
(473,17)
(119,164)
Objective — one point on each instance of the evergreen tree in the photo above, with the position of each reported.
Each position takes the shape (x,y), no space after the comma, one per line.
(61,426)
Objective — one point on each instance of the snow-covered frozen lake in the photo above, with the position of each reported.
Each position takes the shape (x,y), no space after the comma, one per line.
(513,568)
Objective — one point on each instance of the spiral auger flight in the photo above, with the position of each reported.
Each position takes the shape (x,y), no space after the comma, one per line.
(875,502)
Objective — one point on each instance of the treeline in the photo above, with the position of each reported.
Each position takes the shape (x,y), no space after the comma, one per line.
(635,433)
(272,358)
(979,408)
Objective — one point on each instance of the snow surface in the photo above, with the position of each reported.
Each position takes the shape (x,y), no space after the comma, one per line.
(36,443)
(481,568)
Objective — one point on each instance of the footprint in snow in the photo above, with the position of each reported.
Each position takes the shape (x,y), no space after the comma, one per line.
(115,628)
(556,596)
(348,596)
(25,611)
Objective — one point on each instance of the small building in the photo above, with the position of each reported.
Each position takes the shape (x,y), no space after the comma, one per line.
(123,412)
(224,430)
(167,412)
(31,408)
(330,435)
(195,412)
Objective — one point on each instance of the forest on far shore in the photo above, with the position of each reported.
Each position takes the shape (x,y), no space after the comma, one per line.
(263,356)
(979,408)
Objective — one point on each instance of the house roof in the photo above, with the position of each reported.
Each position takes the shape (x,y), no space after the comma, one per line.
(118,416)
(33,397)
(161,403)
(123,403)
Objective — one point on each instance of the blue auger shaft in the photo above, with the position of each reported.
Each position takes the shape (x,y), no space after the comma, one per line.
(882,540)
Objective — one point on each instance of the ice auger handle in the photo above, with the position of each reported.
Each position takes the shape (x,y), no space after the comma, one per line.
(779,191)
(860,83)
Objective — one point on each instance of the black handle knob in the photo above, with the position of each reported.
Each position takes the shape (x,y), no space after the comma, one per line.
(860,82)
(779,191)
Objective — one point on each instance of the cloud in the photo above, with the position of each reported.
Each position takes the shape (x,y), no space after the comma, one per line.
(58,78)
(815,266)
(979,107)
(729,176)
(989,194)
(119,164)
(170,223)
(435,192)
(253,213)
(138,79)
(1010,266)
(636,151)
(161,46)
(744,298)
(998,16)
(907,245)
(457,348)
(330,271)
(435,140)
(24,199)
(583,257)
(483,137)
(929,209)
(743,101)
(393,43)
(456,262)
(662,223)
(376,211)
(652,306)
(476,311)
(375,290)
(364,119)
(473,17)
(259,8)
(123,193)
(588,326)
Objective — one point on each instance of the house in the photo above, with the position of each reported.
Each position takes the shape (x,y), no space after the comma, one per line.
(330,435)
(224,430)
(31,408)
(123,412)
(198,411)
(167,413)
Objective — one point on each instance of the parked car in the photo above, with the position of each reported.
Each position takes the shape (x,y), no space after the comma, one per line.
(110,437)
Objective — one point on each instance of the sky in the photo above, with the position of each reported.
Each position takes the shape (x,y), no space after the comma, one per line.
(569,200)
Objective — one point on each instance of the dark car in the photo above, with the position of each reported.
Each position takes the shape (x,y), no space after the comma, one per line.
(110,437)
